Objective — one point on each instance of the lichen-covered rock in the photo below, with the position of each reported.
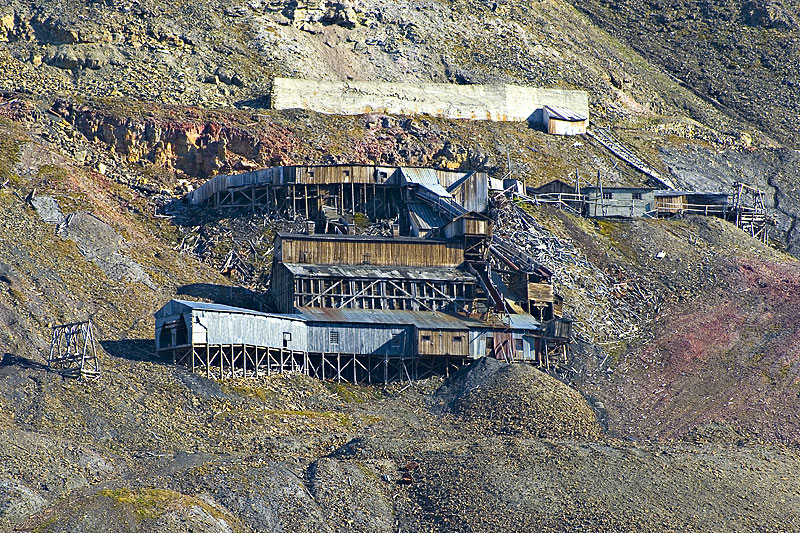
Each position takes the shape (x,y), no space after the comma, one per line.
(17,502)
(91,56)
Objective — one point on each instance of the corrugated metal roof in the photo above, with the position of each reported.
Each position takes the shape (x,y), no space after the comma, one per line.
(563,113)
(523,321)
(206,306)
(363,238)
(420,319)
(425,217)
(377,272)
(424,177)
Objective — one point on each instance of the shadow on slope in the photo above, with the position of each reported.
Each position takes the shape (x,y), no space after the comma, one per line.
(10,359)
(132,349)
(223,294)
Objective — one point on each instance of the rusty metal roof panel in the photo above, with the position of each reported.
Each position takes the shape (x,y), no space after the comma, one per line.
(420,319)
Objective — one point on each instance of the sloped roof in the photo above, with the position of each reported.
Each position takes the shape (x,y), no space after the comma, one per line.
(420,319)
(563,113)
(378,272)
(174,307)
(424,177)
(425,217)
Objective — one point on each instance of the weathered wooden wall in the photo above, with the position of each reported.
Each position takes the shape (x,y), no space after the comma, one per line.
(350,250)
(443,342)
(335,174)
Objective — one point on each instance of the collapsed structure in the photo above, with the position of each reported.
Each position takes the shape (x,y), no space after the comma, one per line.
(369,308)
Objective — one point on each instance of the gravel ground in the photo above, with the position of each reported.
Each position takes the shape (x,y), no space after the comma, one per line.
(290,453)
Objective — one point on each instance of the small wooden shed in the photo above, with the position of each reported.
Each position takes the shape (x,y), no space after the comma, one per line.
(702,203)
(619,201)
(563,121)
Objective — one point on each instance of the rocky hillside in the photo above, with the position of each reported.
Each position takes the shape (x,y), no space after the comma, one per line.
(676,410)
(214,54)
(742,57)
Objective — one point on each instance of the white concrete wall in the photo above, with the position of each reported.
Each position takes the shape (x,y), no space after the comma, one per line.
(478,102)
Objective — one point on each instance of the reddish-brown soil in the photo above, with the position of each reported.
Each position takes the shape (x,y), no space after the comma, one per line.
(732,359)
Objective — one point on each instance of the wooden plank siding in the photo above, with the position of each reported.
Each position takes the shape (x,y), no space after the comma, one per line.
(319,175)
(469,224)
(473,193)
(567,127)
(282,288)
(323,250)
(443,342)
(540,292)
(670,204)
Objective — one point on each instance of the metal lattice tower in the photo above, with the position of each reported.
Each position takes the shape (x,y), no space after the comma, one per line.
(72,350)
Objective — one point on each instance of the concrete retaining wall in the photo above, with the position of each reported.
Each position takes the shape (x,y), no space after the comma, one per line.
(478,102)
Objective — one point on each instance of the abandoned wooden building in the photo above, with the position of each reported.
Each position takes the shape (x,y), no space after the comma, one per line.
(618,201)
(744,206)
(564,121)
(370,308)
(344,344)
(324,193)
(354,271)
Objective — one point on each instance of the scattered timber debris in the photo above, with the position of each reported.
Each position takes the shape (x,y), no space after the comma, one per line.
(619,307)
(235,263)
